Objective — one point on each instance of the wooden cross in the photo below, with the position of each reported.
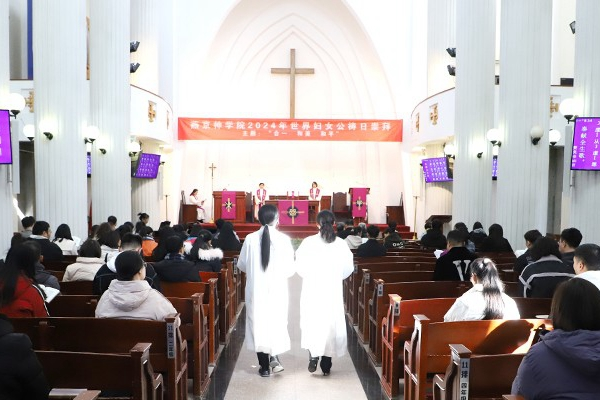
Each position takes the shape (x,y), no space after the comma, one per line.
(292,71)
(212,169)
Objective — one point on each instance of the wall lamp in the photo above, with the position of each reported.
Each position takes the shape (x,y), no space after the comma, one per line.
(554,136)
(29,132)
(48,135)
(451,51)
(47,127)
(134,148)
(449,150)
(493,136)
(570,109)
(572,26)
(536,133)
(102,150)
(91,134)
(16,104)
(133,67)
(451,70)
(133,46)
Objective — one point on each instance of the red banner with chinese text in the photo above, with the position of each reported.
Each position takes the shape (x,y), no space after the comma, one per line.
(370,130)
(359,202)
(228,205)
(293,212)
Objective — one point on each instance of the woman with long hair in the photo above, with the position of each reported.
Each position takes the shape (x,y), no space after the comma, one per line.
(323,261)
(194,199)
(486,299)
(227,240)
(204,255)
(495,242)
(20,296)
(143,221)
(267,258)
(64,240)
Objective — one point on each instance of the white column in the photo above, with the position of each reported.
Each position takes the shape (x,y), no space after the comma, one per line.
(6,194)
(145,26)
(522,199)
(145,194)
(110,108)
(440,35)
(584,194)
(474,110)
(59,45)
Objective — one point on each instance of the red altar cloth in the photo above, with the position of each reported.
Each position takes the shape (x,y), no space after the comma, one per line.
(359,202)
(293,212)
(228,205)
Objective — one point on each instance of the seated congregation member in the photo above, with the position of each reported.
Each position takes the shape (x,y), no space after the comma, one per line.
(565,363)
(112,221)
(87,264)
(392,239)
(568,242)
(495,242)
(102,229)
(20,296)
(160,251)
(340,229)
(219,224)
(227,240)
(41,234)
(434,238)
(21,374)
(477,235)
(42,277)
(371,248)
(108,272)
(130,295)
(143,219)
(354,240)
(189,242)
(541,277)
(204,255)
(175,268)
(64,240)
(323,261)
(427,228)
(586,263)
(525,259)
(486,299)
(27,223)
(109,244)
(461,227)
(148,242)
(454,265)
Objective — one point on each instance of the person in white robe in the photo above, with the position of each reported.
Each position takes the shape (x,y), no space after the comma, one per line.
(260,197)
(323,261)
(267,258)
(195,199)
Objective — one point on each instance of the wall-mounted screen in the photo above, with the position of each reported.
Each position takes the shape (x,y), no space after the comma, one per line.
(436,169)
(5,139)
(89,164)
(494,168)
(147,166)
(586,144)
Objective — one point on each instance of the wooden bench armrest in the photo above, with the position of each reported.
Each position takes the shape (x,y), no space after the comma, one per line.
(512,397)
(439,387)
(69,394)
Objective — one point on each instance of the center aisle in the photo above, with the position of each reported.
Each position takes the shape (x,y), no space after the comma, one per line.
(295,383)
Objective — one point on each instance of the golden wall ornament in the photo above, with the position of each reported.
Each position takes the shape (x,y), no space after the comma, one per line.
(433,114)
(553,106)
(417,121)
(151,111)
(29,100)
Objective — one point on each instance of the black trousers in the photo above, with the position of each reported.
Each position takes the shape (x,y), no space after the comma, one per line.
(263,360)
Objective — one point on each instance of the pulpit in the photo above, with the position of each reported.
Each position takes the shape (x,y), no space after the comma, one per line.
(236,203)
(359,204)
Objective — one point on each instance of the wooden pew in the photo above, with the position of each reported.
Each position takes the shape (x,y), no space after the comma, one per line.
(125,373)
(512,397)
(210,305)
(398,326)
(77,287)
(476,376)
(427,351)
(365,291)
(59,265)
(193,328)
(227,300)
(107,335)
(68,394)
(379,302)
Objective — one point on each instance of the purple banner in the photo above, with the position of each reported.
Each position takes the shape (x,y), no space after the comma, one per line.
(227,205)
(359,202)
(5,140)
(293,212)
(586,144)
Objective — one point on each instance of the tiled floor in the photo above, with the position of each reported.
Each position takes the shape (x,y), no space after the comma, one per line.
(236,376)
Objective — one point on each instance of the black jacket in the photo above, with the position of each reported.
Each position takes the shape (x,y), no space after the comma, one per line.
(434,238)
(495,245)
(446,267)
(371,248)
(105,276)
(21,374)
(177,271)
(393,241)
(567,258)
(540,278)
(522,261)
(50,251)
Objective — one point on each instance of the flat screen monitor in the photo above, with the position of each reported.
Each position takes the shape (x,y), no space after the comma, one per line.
(147,166)
(586,144)
(89,164)
(436,169)
(5,139)
(494,168)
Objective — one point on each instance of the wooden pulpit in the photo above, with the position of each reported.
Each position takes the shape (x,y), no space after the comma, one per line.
(240,206)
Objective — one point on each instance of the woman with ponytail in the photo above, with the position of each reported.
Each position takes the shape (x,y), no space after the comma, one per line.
(267,258)
(486,299)
(323,261)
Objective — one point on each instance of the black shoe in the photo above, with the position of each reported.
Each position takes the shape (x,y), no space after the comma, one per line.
(264,372)
(275,364)
(312,364)
(326,373)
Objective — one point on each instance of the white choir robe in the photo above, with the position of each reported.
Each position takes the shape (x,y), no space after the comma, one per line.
(200,214)
(260,196)
(314,194)
(267,292)
(323,266)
